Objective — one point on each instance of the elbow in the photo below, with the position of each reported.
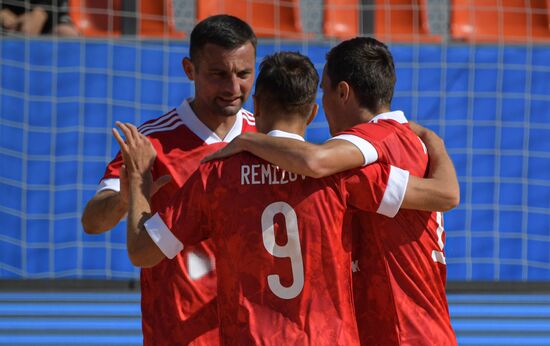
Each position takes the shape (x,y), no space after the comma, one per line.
(454,201)
(314,167)
(315,173)
(142,255)
(138,258)
(88,226)
(137,261)
(451,201)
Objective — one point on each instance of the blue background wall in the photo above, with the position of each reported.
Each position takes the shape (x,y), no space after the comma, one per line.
(59,100)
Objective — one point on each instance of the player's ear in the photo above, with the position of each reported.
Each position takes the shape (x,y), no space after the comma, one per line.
(313,113)
(189,68)
(344,91)
(256,106)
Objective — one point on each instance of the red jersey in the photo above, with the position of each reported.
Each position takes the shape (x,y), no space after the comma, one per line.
(399,263)
(175,293)
(283,263)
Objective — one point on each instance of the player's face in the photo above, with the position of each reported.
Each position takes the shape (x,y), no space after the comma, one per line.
(330,104)
(223,78)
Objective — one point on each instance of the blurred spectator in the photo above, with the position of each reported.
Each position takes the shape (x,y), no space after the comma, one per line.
(35,17)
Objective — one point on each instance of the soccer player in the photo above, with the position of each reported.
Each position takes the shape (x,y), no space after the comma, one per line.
(399,264)
(284,265)
(221,64)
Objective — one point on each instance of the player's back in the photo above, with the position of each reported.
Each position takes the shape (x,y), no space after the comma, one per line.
(399,281)
(288,278)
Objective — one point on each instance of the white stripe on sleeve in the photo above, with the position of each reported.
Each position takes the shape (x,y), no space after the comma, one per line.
(369,152)
(163,237)
(395,192)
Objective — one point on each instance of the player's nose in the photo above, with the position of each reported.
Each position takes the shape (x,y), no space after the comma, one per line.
(232,86)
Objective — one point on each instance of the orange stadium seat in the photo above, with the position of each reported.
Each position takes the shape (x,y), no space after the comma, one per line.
(501,20)
(341,18)
(103,18)
(156,19)
(403,21)
(267,18)
(96,17)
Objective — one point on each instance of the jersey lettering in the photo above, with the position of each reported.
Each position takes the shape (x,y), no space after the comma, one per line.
(261,174)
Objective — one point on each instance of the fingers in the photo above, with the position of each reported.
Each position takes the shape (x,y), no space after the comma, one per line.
(214,156)
(120,141)
(220,154)
(126,131)
(210,157)
(133,132)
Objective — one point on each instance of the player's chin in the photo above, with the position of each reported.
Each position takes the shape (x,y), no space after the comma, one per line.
(230,110)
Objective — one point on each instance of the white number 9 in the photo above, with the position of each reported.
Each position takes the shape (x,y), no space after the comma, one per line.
(291,249)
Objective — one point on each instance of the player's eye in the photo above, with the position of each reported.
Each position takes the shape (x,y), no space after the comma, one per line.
(218,73)
(244,74)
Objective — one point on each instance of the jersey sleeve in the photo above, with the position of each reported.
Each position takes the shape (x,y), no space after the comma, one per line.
(111,177)
(374,140)
(378,188)
(185,221)
(367,149)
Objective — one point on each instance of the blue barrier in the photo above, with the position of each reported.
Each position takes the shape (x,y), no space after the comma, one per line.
(478,319)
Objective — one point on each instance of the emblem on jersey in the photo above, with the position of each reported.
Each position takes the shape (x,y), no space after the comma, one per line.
(355,266)
(198,265)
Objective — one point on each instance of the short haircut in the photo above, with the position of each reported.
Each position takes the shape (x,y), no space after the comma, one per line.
(288,82)
(222,30)
(366,64)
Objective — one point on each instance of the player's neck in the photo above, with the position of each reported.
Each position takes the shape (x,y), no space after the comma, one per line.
(294,127)
(364,115)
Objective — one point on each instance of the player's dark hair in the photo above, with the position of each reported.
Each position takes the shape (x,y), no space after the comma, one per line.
(222,30)
(366,64)
(288,82)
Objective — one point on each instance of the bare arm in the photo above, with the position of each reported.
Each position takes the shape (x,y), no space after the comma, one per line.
(139,155)
(440,191)
(304,158)
(104,211)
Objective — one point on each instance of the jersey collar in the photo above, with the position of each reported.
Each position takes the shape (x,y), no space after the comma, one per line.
(196,126)
(395,115)
(284,134)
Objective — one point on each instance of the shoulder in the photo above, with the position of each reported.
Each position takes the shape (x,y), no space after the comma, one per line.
(162,124)
(377,129)
(248,118)
(229,169)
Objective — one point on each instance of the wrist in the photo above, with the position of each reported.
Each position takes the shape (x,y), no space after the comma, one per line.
(140,180)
